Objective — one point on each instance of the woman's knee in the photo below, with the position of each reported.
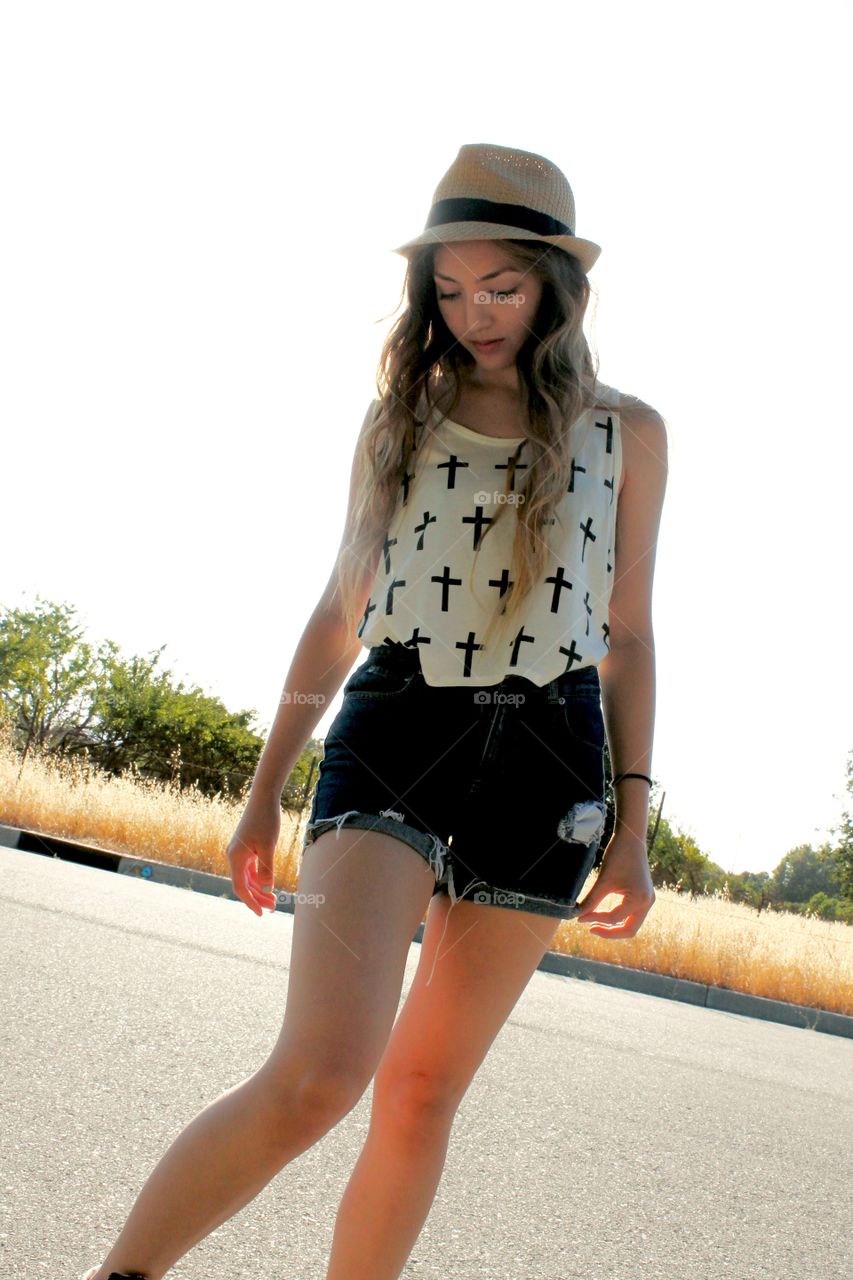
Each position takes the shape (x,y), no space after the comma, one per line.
(418,1099)
(313,1094)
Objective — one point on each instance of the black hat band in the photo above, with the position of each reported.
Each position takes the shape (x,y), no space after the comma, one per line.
(468,209)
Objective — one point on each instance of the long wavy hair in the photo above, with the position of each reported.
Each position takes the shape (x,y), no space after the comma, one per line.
(422,361)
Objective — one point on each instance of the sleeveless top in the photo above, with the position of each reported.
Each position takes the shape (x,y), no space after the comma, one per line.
(420,594)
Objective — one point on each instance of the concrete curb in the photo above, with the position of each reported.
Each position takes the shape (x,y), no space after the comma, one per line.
(653,984)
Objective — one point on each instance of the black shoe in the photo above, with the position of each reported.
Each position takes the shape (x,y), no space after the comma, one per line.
(114,1275)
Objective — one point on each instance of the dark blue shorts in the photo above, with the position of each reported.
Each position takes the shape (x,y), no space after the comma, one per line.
(499,787)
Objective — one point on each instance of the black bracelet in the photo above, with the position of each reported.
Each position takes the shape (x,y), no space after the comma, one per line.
(620,776)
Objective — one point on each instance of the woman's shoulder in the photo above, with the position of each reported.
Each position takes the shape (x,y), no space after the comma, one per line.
(643,434)
(637,417)
(612,398)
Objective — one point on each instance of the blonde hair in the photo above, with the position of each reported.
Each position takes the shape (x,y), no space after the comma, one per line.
(419,359)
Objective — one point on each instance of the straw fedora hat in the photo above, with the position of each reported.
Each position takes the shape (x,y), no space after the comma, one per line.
(499,193)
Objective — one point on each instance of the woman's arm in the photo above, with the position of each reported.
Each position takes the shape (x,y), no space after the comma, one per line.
(627,673)
(628,704)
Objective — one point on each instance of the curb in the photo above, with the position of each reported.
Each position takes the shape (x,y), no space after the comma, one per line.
(612,975)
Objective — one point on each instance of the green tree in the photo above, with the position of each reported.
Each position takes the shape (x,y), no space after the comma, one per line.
(826,908)
(676,860)
(169,731)
(48,675)
(802,873)
(755,888)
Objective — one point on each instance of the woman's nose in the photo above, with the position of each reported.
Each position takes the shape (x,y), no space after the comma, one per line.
(479,316)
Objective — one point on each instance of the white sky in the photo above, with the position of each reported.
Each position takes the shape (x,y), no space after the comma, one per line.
(200,202)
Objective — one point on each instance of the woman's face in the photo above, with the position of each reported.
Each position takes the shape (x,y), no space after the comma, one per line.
(482,296)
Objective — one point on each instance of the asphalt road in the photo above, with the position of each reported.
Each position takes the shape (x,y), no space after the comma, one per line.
(609,1135)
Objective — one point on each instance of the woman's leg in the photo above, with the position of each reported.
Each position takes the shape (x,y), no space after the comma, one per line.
(485,960)
(349,953)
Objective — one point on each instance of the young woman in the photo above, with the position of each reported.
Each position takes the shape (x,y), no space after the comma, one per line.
(497,561)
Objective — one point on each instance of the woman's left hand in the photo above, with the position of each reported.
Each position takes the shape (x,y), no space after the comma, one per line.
(624,871)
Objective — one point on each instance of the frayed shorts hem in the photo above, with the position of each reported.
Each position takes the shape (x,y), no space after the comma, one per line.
(433,850)
(511,900)
(439,858)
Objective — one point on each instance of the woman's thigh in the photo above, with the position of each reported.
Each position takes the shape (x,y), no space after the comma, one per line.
(475,962)
(360,898)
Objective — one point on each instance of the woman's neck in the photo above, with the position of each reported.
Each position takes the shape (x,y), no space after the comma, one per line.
(503,384)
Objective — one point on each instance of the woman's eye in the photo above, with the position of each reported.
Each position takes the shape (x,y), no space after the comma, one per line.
(499,293)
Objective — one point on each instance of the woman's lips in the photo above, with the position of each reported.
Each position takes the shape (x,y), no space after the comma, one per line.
(488,346)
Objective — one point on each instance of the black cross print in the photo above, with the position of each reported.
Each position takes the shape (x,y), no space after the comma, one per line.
(608,427)
(575,468)
(571,654)
(365,616)
(561,583)
(469,646)
(519,640)
(420,528)
(585,528)
(389,598)
(452,465)
(446,583)
(505,466)
(503,582)
(479,520)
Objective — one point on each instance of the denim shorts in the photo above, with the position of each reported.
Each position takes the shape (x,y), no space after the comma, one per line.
(500,787)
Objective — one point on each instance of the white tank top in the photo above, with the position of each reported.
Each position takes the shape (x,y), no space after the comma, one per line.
(420,595)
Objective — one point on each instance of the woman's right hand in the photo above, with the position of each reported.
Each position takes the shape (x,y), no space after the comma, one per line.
(251,852)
